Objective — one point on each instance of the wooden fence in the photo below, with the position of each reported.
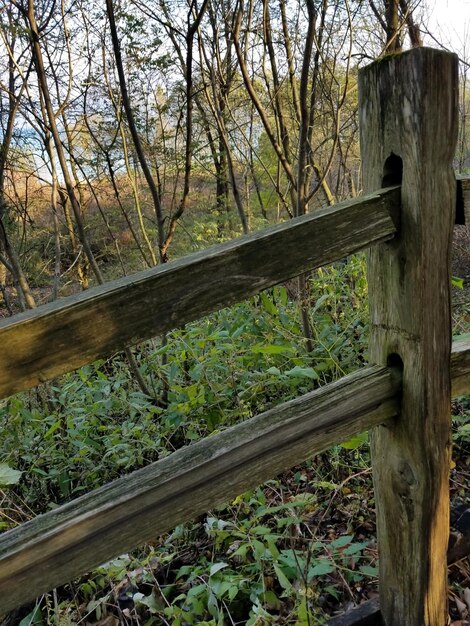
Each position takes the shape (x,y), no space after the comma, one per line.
(408,117)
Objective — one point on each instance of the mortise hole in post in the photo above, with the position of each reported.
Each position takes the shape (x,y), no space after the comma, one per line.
(395,363)
(393,171)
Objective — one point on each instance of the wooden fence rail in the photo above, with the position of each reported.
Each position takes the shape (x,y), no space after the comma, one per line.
(56,338)
(72,539)
(460,366)
(408,106)
(109,521)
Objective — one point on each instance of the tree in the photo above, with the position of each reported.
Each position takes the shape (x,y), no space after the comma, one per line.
(395,18)
(11,261)
(135,101)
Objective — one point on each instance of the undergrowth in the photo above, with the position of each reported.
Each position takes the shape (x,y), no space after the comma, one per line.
(93,425)
(289,552)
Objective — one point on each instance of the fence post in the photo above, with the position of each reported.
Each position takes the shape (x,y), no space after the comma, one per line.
(408,121)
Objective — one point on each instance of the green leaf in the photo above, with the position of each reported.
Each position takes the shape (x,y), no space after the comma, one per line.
(271,348)
(292,559)
(303,372)
(332,591)
(151,602)
(212,605)
(238,331)
(342,541)
(270,600)
(355,442)
(216,567)
(368,570)
(268,304)
(52,429)
(324,484)
(33,619)
(242,550)
(233,592)
(272,548)
(457,282)
(258,548)
(303,615)
(281,292)
(354,548)
(196,591)
(8,475)
(282,578)
(320,301)
(321,569)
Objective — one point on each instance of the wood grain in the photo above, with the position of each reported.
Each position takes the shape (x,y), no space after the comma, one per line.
(59,337)
(66,542)
(408,108)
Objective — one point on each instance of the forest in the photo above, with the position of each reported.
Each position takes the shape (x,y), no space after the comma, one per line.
(136,132)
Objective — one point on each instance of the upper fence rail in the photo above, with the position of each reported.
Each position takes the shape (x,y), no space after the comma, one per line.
(61,336)
(56,338)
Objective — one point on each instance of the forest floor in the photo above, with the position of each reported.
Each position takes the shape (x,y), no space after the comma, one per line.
(460,473)
(333,526)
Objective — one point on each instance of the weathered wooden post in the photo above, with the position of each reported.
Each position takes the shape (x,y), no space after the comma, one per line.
(408,117)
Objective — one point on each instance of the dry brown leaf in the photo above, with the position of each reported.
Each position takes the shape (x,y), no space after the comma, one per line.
(466,597)
(461,607)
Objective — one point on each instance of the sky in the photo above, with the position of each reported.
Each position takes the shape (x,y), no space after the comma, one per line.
(449,22)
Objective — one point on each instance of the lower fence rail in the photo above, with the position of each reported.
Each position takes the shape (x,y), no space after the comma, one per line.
(69,541)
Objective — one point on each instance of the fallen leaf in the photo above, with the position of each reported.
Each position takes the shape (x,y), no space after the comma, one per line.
(466,597)
(461,607)
(8,475)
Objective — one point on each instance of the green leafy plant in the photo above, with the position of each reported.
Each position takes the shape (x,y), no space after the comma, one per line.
(461,419)
(90,426)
